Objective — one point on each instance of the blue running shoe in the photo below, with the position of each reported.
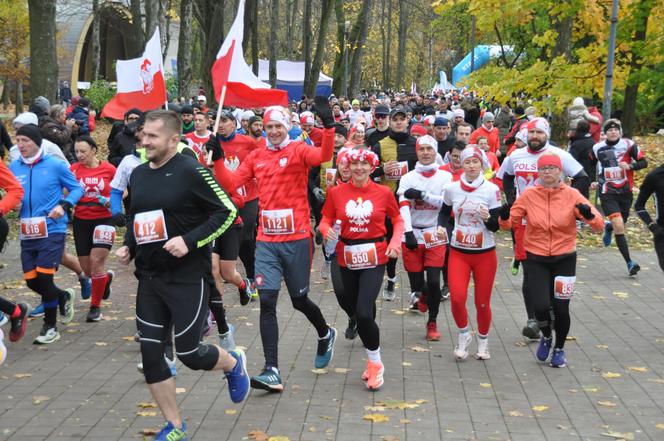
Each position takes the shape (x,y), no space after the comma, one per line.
(633,268)
(86,287)
(238,378)
(325,349)
(558,359)
(608,230)
(172,366)
(544,348)
(38,311)
(3,318)
(268,380)
(172,433)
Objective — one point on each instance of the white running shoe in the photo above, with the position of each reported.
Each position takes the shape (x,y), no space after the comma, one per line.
(482,349)
(3,348)
(461,350)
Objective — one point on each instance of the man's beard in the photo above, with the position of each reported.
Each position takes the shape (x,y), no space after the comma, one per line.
(256,133)
(538,145)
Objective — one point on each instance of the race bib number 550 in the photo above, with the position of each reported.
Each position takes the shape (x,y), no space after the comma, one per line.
(360,256)
(150,226)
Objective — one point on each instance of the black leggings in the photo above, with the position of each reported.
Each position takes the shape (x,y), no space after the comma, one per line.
(160,304)
(216,304)
(432,288)
(361,288)
(542,272)
(52,296)
(248,245)
(7,307)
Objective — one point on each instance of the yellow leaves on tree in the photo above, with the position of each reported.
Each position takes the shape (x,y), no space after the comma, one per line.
(14,39)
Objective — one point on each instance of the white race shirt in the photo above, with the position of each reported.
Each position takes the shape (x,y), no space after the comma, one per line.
(123,172)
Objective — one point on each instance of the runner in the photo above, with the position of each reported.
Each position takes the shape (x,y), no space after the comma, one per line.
(475,203)
(169,236)
(362,252)
(551,209)
(420,198)
(197,138)
(43,217)
(283,245)
(94,232)
(653,184)
(617,158)
(518,172)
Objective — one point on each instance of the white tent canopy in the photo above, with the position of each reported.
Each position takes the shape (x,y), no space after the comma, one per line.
(289,72)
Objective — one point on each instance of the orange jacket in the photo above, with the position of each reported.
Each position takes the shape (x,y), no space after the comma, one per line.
(551,215)
(14,191)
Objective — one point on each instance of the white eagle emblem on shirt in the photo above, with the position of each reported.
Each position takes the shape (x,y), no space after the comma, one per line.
(359,211)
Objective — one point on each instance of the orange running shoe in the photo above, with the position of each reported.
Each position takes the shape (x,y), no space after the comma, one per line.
(422,303)
(432,332)
(375,371)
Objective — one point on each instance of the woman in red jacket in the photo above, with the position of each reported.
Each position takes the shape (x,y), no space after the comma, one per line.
(551,209)
(362,251)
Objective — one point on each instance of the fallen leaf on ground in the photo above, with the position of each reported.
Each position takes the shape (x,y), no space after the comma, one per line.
(110,317)
(150,405)
(325,417)
(397,311)
(328,290)
(404,421)
(146,413)
(656,380)
(620,294)
(419,349)
(659,426)
(515,413)
(602,346)
(591,389)
(406,364)
(101,343)
(180,390)
(40,399)
(485,385)
(374,408)
(230,411)
(150,432)
(389,438)
(599,297)
(629,436)
(607,403)
(541,408)
(611,375)
(319,371)
(128,338)
(341,370)
(278,438)
(393,404)
(258,435)
(637,369)
(571,338)
(376,417)
(19,376)
(520,343)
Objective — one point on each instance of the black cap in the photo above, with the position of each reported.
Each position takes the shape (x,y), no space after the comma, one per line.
(31,131)
(187,109)
(397,111)
(339,129)
(227,114)
(382,109)
(133,111)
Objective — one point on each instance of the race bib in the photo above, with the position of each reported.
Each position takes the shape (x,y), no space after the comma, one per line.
(103,235)
(469,238)
(275,222)
(563,287)
(330,173)
(149,227)
(33,228)
(614,174)
(360,256)
(398,173)
(431,239)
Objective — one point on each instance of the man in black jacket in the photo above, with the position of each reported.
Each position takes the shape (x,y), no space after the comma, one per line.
(581,146)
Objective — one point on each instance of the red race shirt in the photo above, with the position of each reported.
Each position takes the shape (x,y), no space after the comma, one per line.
(236,150)
(362,212)
(197,143)
(456,175)
(95,182)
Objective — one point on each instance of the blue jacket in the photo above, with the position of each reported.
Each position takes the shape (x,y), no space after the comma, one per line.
(43,182)
(81,116)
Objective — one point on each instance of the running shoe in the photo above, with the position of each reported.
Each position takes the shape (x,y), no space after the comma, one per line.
(139,366)
(47,335)
(544,348)
(318,236)
(351,329)
(633,268)
(482,349)
(238,378)
(38,311)
(108,291)
(325,350)
(253,290)
(245,294)
(414,299)
(389,293)
(3,319)
(86,287)
(172,433)
(20,323)
(432,332)
(444,293)
(3,348)
(68,306)
(227,340)
(558,359)
(268,380)
(172,365)
(422,303)
(94,315)
(531,330)
(461,349)
(374,375)
(514,267)
(325,270)
(608,230)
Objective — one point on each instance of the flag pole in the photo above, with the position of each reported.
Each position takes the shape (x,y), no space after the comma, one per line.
(216,122)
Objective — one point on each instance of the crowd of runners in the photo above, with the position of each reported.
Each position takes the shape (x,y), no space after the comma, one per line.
(367,182)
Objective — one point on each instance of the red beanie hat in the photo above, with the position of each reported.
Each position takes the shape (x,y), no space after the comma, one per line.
(549,159)
(418,129)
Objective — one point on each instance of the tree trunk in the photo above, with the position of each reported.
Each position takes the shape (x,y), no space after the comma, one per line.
(326,12)
(563,25)
(401,37)
(210,17)
(138,36)
(19,97)
(387,76)
(151,17)
(306,42)
(184,47)
(246,34)
(96,59)
(338,70)
(254,38)
(358,38)
(291,29)
(274,22)
(164,26)
(640,16)
(6,90)
(43,49)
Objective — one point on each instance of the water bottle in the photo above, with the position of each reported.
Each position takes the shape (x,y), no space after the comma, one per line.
(330,245)
(102,200)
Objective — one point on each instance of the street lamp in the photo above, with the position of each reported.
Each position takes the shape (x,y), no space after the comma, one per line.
(346,30)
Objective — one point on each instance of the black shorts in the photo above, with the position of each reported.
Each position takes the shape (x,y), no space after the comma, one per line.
(249,215)
(227,246)
(84,235)
(614,204)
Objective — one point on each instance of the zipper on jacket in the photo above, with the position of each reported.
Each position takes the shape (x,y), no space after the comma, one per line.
(549,218)
(30,194)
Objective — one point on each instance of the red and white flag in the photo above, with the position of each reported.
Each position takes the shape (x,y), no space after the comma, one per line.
(243,88)
(141,82)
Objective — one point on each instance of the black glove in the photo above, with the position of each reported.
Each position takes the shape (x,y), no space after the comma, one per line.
(505,211)
(319,194)
(656,230)
(411,242)
(119,220)
(585,211)
(213,146)
(412,193)
(324,111)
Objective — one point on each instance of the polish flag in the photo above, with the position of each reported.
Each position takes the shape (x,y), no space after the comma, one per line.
(140,82)
(243,88)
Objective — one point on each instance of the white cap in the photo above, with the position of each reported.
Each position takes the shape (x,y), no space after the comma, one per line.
(459,112)
(201,98)
(247,115)
(26,118)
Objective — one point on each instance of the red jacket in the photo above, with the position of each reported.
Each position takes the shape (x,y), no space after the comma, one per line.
(492,137)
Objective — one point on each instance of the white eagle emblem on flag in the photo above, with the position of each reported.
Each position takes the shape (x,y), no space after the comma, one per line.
(359,211)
